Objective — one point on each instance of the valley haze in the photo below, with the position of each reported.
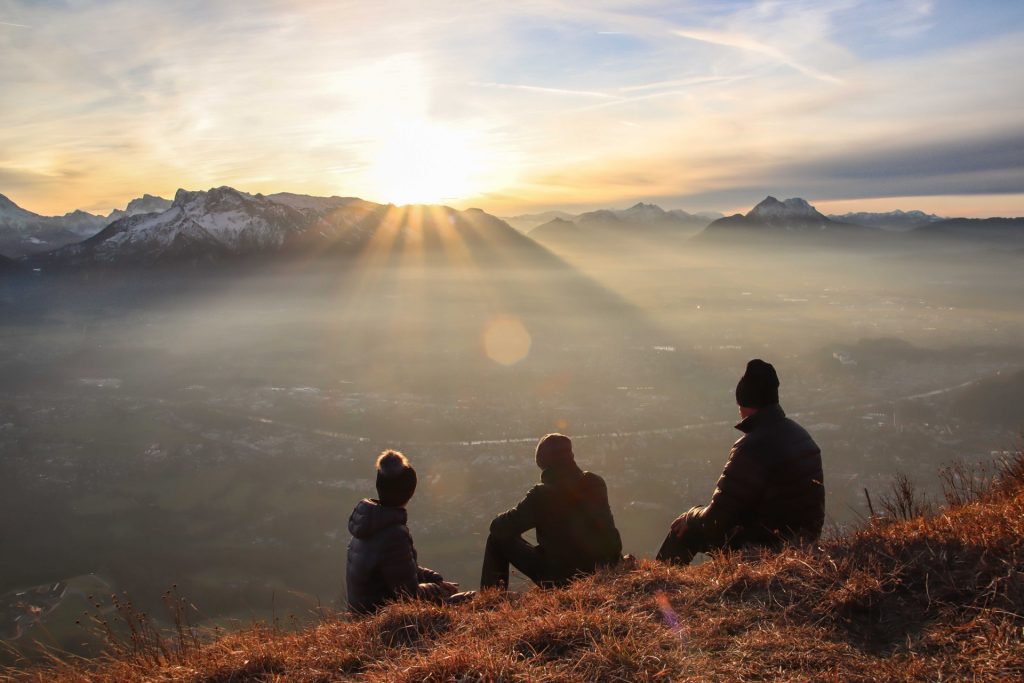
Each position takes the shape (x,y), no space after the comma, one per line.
(194,394)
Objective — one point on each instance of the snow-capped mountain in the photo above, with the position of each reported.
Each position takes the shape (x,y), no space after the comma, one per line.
(771,210)
(888,220)
(773,217)
(205,225)
(23,232)
(147,203)
(226,223)
(305,202)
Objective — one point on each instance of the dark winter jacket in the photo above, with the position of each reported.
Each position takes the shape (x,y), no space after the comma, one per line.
(771,491)
(575,529)
(381,557)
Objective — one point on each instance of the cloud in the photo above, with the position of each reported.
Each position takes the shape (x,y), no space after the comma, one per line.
(549,91)
(992,164)
(990,153)
(304,96)
(744,42)
(680,83)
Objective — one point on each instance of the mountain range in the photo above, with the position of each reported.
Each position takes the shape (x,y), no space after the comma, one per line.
(772,217)
(889,220)
(639,213)
(640,221)
(223,223)
(23,232)
(795,220)
(528,221)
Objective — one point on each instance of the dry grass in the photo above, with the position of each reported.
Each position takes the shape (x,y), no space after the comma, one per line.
(930,598)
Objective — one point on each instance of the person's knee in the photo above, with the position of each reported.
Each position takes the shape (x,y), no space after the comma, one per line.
(501,542)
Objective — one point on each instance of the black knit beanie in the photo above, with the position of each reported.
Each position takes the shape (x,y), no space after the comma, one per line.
(396,479)
(759,386)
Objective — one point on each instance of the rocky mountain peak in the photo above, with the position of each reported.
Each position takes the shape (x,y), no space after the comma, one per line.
(771,208)
(147,203)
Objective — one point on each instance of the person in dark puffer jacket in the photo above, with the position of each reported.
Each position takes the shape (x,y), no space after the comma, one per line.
(382,562)
(771,491)
(576,532)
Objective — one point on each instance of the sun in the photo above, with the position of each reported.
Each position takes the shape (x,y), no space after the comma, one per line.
(423,162)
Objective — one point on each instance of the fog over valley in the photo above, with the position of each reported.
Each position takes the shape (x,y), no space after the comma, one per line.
(195,394)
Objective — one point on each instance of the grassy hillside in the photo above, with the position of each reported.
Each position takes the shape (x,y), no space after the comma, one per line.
(933,597)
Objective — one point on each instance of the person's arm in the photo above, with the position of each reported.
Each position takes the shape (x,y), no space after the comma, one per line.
(519,519)
(739,488)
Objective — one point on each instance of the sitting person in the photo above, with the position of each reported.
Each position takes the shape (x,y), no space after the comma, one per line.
(576,533)
(382,562)
(771,490)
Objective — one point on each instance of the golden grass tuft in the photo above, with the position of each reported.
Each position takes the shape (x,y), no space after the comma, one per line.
(935,597)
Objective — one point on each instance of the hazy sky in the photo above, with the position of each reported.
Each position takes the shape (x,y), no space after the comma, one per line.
(516,106)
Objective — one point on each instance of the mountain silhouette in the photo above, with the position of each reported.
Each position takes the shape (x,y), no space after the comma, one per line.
(793,219)
(225,224)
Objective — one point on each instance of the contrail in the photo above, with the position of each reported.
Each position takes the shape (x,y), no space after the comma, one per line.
(743,42)
(8,23)
(553,91)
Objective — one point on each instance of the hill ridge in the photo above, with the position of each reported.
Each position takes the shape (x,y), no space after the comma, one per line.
(906,597)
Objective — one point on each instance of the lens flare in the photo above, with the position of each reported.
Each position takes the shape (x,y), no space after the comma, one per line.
(506,340)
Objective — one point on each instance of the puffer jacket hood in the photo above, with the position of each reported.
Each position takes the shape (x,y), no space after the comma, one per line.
(382,562)
(369,518)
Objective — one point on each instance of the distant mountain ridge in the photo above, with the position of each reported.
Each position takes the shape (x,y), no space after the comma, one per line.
(640,220)
(797,221)
(889,220)
(23,232)
(792,218)
(225,223)
(528,221)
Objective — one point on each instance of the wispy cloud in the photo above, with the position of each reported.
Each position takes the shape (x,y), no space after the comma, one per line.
(750,44)
(702,99)
(679,83)
(548,91)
